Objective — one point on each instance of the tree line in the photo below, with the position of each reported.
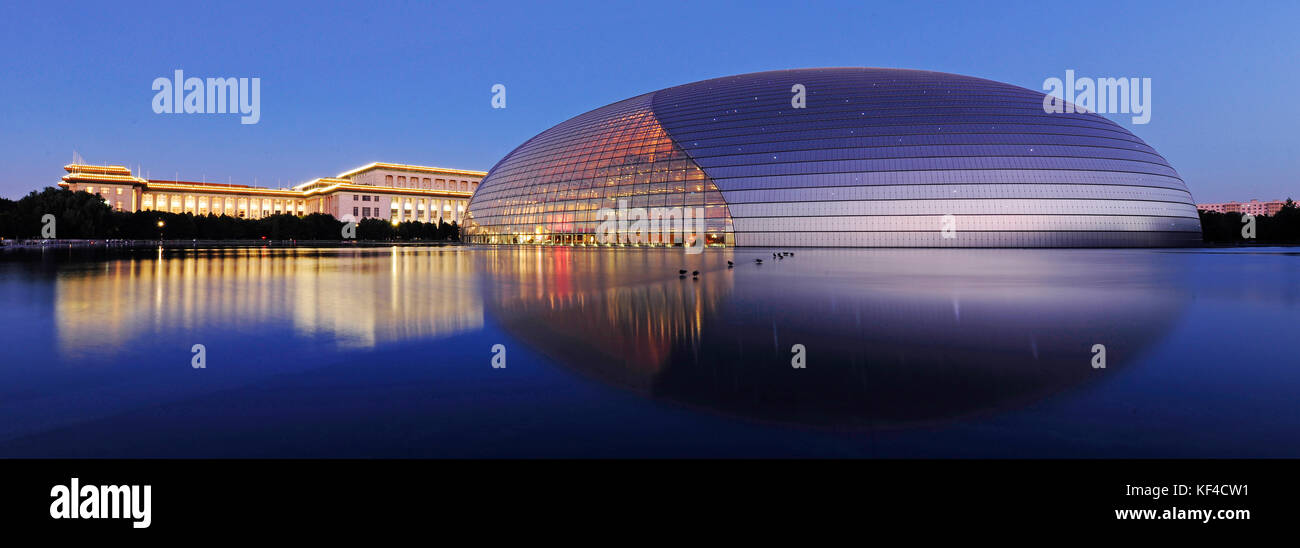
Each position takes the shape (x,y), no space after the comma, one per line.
(81,215)
(1282,227)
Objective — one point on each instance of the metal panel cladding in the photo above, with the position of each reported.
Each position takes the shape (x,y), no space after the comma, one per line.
(882,158)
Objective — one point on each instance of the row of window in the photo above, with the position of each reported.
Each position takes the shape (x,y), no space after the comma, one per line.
(402,181)
(366,212)
(112,196)
(233,206)
(105,191)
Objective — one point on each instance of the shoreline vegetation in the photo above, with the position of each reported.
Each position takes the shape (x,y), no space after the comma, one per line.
(1230,228)
(84,220)
(80,218)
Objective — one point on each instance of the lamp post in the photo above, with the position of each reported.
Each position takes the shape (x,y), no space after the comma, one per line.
(161,224)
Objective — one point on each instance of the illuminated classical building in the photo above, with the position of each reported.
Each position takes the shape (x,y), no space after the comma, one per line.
(1253,207)
(392,192)
(841,157)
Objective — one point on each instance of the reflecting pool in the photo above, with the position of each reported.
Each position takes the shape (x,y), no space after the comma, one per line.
(389,352)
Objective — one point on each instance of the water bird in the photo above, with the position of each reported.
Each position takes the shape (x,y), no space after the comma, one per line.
(759,261)
(730,264)
(682,271)
(695,273)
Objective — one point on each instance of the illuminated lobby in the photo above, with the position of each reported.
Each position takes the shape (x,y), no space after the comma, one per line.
(390,192)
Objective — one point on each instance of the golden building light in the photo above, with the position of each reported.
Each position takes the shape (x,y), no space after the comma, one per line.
(387,191)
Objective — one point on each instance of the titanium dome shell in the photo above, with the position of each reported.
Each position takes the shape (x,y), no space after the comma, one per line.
(876,158)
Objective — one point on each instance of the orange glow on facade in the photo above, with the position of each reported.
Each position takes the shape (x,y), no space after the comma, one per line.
(408,167)
(391,192)
(628,158)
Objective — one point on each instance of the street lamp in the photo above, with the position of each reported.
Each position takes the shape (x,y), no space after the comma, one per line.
(160,229)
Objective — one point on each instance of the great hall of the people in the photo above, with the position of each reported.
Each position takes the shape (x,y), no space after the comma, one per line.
(391,192)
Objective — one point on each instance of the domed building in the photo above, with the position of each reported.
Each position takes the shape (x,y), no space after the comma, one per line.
(839,157)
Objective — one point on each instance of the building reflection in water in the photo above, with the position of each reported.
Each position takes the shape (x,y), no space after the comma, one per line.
(357,297)
(621,313)
(894,338)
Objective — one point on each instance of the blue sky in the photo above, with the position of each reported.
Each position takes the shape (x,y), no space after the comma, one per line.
(347,84)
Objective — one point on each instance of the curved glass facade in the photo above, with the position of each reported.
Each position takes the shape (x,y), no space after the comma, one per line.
(552,189)
(876,157)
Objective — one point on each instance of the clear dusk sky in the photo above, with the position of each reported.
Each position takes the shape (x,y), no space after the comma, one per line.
(346,84)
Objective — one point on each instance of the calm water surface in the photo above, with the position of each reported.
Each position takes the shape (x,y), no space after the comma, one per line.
(909,353)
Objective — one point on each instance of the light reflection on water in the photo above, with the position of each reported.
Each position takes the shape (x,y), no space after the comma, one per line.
(921,346)
(359,299)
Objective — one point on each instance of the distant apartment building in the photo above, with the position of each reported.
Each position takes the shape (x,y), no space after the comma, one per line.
(391,192)
(1253,207)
